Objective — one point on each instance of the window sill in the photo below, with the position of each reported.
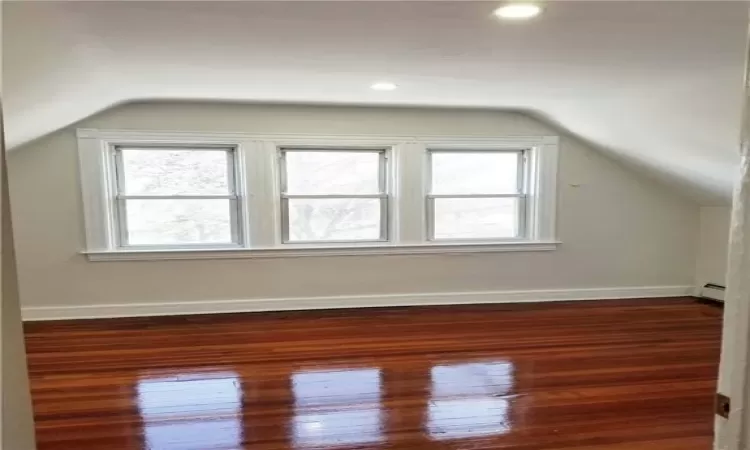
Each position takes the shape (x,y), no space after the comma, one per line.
(299,251)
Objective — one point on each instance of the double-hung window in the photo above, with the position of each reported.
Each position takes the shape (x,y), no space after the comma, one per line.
(162,195)
(175,196)
(333,195)
(476,194)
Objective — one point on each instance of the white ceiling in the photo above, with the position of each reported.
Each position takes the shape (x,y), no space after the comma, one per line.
(657,84)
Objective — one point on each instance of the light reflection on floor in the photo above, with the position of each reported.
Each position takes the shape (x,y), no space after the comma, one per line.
(469,400)
(337,408)
(191,411)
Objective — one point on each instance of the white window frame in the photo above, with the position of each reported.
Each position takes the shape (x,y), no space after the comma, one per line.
(521,195)
(120,197)
(540,182)
(383,195)
(259,194)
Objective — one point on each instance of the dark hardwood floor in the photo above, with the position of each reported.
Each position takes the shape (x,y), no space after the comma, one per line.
(603,375)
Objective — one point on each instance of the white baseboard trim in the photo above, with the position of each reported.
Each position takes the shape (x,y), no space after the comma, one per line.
(356,301)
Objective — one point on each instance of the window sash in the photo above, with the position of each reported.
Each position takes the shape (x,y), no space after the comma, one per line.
(521,215)
(382,194)
(120,199)
(521,194)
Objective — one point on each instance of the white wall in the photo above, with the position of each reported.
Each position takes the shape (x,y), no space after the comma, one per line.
(711,264)
(16,418)
(617,229)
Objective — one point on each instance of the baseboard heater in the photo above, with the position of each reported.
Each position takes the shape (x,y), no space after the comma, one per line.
(712,292)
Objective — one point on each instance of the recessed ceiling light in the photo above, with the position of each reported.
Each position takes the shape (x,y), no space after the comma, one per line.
(518,11)
(383,86)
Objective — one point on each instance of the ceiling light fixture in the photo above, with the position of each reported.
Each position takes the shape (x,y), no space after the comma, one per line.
(383,86)
(518,11)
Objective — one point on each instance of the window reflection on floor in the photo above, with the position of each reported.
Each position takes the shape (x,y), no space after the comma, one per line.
(467,400)
(191,411)
(337,408)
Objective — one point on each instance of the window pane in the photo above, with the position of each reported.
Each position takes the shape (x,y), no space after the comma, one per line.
(474,173)
(174,222)
(476,218)
(347,219)
(332,172)
(175,172)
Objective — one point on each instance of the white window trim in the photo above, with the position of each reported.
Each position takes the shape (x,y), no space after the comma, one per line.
(259,190)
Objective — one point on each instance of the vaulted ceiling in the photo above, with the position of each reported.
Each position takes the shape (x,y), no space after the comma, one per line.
(655,84)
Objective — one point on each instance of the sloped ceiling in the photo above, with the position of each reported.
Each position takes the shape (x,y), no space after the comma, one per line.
(656,84)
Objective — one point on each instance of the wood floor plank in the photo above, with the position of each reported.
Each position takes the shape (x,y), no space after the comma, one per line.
(602,375)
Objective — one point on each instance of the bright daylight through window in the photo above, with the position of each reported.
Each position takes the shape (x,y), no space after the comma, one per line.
(476,194)
(169,196)
(161,195)
(334,195)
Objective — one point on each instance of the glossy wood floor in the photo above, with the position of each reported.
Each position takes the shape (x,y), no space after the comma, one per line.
(608,375)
